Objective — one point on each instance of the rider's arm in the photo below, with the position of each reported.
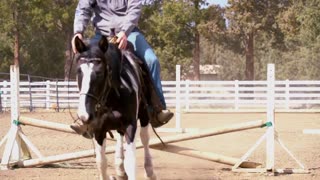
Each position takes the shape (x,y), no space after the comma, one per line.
(82,15)
(132,16)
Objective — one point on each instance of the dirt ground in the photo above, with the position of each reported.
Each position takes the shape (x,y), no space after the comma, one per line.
(170,166)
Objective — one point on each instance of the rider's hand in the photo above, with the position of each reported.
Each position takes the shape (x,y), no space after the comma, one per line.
(122,40)
(79,35)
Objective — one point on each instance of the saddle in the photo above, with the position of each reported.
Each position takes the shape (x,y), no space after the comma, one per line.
(150,97)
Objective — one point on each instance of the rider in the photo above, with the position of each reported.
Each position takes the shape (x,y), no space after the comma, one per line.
(122,16)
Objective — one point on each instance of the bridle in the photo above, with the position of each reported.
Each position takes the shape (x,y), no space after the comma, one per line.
(101,100)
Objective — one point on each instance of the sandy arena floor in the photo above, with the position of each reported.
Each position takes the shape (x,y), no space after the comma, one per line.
(170,166)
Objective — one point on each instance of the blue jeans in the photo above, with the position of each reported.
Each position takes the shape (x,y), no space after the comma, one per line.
(143,50)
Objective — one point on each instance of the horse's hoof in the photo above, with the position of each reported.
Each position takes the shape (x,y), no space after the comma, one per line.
(153,177)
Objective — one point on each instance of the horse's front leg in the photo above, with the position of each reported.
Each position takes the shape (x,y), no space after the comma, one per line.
(101,159)
(130,154)
(148,166)
(119,158)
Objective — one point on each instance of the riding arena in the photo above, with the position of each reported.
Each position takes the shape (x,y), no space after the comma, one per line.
(221,130)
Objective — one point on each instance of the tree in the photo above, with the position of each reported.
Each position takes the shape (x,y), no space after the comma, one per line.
(11,22)
(248,18)
(173,29)
(54,19)
(169,31)
(301,25)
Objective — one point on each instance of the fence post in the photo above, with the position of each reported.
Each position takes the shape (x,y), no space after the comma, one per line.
(178,105)
(4,94)
(187,95)
(287,94)
(57,96)
(47,94)
(0,100)
(236,95)
(30,94)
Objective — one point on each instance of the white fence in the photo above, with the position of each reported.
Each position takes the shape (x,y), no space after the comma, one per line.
(204,96)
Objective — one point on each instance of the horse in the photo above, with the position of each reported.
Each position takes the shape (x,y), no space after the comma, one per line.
(113,97)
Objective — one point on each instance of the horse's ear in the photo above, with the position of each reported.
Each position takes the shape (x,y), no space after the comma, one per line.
(80,46)
(103,43)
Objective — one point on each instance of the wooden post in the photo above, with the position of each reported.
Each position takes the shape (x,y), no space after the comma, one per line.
(236,95)
(287,94)
(187,98)
(47,94)
(270,115)
(1,92)
(5,96)
(12,148)
(30,94)
(178,105)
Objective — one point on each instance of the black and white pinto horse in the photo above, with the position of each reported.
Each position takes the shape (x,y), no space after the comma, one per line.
(112,97)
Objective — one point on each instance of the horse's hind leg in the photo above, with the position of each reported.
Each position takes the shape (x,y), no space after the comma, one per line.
(119,158)
(148,166)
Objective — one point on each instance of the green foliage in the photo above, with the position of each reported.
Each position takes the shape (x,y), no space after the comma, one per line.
(44,26)
(169,31)
(286,32)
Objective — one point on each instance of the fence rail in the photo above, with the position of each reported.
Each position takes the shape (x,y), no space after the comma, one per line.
(192,95)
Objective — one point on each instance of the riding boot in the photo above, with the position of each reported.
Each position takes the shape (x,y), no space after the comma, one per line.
(82,129)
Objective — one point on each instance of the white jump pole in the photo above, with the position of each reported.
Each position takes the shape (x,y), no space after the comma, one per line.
(208,156)
(311,131)
(210,132)
(153,142)
(45,124)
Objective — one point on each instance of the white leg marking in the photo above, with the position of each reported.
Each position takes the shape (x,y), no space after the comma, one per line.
(130,161)
(85,85)
(148,166)
(101,159)
(119,157)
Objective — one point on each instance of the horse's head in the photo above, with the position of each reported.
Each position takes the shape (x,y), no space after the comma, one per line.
(91,75)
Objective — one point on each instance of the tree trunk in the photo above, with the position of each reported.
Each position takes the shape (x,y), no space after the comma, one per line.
(249,73)
(196,57)
(16,38)
(68,58)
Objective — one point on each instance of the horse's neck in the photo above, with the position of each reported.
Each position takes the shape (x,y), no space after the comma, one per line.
(115,65)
